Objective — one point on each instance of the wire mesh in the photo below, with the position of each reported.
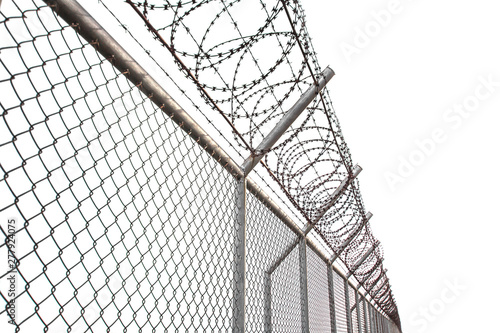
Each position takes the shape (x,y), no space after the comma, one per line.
(122,222)
(373,324)
(267,294)
(340,304)
(319,303)
(353,309)
(248,72)
(285,283)
(122,225)
(362,316)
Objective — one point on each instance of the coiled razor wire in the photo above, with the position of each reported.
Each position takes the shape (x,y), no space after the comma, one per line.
(250,60)
(124,219)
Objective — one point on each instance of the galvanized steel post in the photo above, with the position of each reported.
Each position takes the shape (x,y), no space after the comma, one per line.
(351,237)
(267,303)
(267,143)
(348,306)
(382,274)
(291,115)
(90,30)
(240,262)
(304,306)
(373,325)
(335,196)
(331,298)
(362,259)
(357,310)
(365,314)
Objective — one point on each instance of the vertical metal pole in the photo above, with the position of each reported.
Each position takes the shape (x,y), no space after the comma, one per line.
(357,311)
(287,120)
(373,322)
(369,313)
(267,303)
(240,262)
(368,306)
(362,259)
(370,320)
(365,314)
(331,297)
(333,199)
(348,306)
(303,286)
(353,235)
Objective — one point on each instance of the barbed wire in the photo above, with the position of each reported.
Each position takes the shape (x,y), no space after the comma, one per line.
(253,72)
(79,152)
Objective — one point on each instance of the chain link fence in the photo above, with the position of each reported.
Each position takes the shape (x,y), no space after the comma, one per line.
(118,211)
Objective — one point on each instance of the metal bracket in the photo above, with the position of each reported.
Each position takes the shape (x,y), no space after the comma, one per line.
(351,237)
(376,281)
(338,191)
(362,259)
(287,121)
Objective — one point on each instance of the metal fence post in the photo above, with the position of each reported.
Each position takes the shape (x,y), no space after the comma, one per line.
(369,310)
(286,121)
(267,303)
(379,323)
(351,237)
(376,281)
(331,297)
(365,317)
(373,326)
(303,286)
(334,197)
(357,310)
(348,306)
(240,256)
(267,143)
(368,317)
(115,54)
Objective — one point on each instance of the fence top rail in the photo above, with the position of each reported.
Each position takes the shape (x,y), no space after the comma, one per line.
(73,13)
(94,33)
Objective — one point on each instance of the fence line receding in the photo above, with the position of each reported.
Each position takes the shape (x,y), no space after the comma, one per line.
(177,167)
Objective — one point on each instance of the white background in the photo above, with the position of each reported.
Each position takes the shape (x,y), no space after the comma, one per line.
(439,223)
